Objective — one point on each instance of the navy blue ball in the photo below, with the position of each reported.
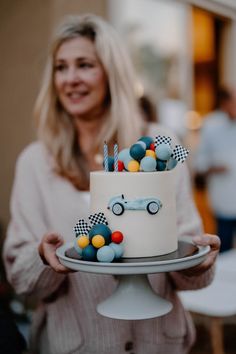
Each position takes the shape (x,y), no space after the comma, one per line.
(137,152)
(89,253)
(161,165)
(110,163)
(147,140)
(101,229)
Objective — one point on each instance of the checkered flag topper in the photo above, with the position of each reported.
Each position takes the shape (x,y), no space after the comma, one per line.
(98,218)
(162,139)
(180,153)
(81,228)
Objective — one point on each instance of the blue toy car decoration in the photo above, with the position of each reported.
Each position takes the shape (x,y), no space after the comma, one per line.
(119,204)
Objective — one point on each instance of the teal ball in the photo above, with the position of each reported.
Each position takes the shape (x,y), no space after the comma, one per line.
(89,253)
(118,249)
(161,165)
(105,254)
(137,152)
(163,151)
(110,163)
(147,140)
(142,143)
(101,229)
(148,164)
(171,163)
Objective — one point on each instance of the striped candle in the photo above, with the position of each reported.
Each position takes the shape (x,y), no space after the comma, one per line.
(116,157)
(105,156)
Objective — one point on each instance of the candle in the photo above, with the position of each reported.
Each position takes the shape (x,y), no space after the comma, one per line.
(116,157)
(105,156)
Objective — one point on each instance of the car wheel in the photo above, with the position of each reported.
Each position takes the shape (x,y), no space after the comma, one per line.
(118,209)
(152,208)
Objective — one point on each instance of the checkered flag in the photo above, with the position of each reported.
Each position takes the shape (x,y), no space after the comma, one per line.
(81,228)
(98,218)
(180,153)
(162,139)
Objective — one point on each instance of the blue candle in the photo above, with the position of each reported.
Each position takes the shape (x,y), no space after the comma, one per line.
(116,157)
(105,156)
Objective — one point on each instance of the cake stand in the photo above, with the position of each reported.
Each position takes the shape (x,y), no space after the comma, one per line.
(134,298)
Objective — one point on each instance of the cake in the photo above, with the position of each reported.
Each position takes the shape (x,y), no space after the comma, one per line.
(133,203)
(141,205)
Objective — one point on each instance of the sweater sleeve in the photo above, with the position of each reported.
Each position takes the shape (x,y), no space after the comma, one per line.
(24,267)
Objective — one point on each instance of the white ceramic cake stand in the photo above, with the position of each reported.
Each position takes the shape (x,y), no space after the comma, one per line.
(134,298)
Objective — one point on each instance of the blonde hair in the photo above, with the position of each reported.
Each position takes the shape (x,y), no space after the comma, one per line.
(56,128)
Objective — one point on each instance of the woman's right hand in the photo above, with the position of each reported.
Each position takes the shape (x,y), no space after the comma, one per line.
(47,251)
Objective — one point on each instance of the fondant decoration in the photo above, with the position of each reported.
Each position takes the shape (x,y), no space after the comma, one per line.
(162,140)
(142,143)
(133,166)
(117,237)
(124,155)
(151,153)
(101,229)
(81,228)
(137,152)
(119,204)
(83,241)
(180,153)
(121,166)
(152,146)
(98,241)
(147,140)
(89,253)
(77,248)
(163,151)
(105,153)
(118,249)
(98,218)
(171,163)
(161,165)
(148,164)
(116,157)
(105,254)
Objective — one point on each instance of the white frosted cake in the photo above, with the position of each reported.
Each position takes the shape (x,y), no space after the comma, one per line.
(142,205)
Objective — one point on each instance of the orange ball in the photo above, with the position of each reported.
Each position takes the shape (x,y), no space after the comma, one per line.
(98,241)
(151,153)
(83,241)
(133,166)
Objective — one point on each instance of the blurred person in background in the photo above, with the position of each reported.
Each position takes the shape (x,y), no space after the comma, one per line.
(87,97)
(215,163)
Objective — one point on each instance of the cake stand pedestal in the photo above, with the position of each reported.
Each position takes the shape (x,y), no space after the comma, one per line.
(134,298)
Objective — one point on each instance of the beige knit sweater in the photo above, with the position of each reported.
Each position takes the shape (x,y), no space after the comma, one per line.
(42,202)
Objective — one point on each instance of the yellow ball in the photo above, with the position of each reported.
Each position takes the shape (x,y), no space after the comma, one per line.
(133,166)
(151,153)
(83,241)
(98,241)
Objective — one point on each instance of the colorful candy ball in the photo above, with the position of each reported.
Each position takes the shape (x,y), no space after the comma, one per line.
(133,166)
(142,143)
(101,229)
(105,254)
(150,153)
(147,140)
(124,155)
(163,151)
(171,163)
(137,152)
(89,253)
(120,166)
(98,241)
(161,165)
(118,249)
(77,248)
(117,237)
(110,163)
(83,241)
(152,146)
(148,164)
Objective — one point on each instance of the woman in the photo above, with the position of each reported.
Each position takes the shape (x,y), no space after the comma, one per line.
(87,96)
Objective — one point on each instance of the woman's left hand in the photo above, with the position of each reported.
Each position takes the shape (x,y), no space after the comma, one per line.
(205,240)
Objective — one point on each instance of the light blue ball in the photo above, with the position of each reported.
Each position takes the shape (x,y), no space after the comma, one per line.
(161,165)
(124,154)
(148,164)
(171,163)
(118,249)
(147,140)
(163,151)
(137,152)
(105,254)
(142,143)
(77,248)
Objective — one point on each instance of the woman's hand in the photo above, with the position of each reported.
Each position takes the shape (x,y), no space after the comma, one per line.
(205,240)
(47,251)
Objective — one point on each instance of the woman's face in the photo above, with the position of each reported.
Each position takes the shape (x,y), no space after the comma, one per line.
(80,80)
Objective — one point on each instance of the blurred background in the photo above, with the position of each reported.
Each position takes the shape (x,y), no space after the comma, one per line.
(182,51)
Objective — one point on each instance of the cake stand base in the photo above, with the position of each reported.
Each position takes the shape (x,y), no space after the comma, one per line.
(134,299)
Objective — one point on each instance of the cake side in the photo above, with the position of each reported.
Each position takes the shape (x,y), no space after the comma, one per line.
(141,205)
